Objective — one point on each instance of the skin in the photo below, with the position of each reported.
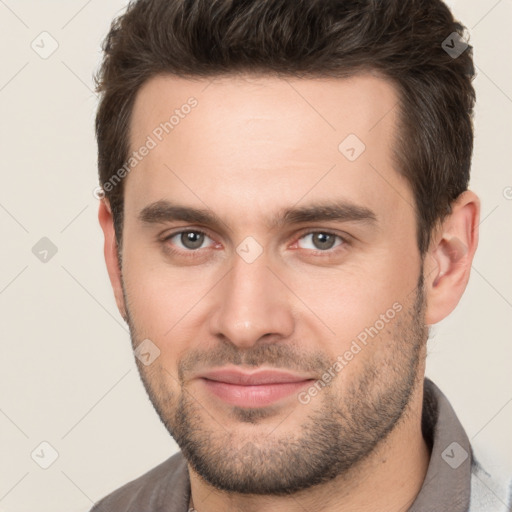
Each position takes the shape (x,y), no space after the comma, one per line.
(252,146)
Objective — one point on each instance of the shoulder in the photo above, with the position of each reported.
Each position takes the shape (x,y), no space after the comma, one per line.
(166,484)
(491,484)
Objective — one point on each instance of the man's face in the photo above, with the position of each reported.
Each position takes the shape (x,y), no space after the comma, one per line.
(258,290)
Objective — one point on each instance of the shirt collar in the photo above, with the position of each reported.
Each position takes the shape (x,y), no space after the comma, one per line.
(447,484)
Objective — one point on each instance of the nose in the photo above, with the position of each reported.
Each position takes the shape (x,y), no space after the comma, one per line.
(252,304)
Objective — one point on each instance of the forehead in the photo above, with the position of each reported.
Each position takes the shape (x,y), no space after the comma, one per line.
(265,139)
(328,108)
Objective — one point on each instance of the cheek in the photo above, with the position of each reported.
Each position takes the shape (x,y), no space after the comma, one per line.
(162,309)
(162,300)
(341,303)
(331,305)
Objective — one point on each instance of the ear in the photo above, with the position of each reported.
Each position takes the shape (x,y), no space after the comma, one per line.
(449,258)
(110,251)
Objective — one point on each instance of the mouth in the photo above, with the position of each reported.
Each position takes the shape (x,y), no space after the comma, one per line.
(257,389)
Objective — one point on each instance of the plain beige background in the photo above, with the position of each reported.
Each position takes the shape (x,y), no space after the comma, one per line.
(67,374)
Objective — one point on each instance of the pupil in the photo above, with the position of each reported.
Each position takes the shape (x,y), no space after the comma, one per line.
(192,239)
(325,241)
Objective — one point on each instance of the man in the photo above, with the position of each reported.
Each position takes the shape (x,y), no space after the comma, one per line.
(286,212)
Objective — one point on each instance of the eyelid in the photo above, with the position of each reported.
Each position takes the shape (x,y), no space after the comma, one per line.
(327,231)
(345,242)
(201,231)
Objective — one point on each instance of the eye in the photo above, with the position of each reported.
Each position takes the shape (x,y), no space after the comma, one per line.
(320,241)
(190,240)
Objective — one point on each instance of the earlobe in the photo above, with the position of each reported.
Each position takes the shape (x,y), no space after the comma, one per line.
(449,259)
(110,251)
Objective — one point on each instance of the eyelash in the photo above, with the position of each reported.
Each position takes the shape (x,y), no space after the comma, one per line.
(195,253)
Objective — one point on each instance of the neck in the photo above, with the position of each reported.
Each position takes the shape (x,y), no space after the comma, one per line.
(387,481)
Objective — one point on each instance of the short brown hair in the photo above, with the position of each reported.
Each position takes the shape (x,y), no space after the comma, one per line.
(399,39)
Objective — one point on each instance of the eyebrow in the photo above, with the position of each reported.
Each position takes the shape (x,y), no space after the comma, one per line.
(342,211)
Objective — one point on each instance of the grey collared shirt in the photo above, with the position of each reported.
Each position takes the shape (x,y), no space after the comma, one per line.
(454,482)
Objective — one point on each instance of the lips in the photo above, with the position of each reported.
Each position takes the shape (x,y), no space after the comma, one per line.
(256,389)
(253,379)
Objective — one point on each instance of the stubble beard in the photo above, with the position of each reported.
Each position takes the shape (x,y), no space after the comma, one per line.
(346,423)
